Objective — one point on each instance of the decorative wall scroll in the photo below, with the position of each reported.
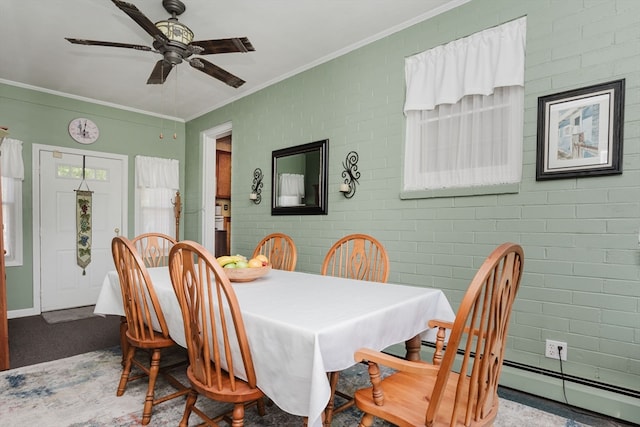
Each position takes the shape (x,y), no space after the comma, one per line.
(256,187)
(83,226)
(350,175)
(83,223)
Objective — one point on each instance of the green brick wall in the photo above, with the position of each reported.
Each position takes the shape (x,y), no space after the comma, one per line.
(39,117)
(580,236)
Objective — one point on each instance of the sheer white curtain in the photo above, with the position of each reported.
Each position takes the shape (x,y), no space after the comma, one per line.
(157,181)
(12,168)
(464,107)
(291,189)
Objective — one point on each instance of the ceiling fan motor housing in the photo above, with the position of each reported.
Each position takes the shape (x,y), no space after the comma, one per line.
(172,57)
(174,6)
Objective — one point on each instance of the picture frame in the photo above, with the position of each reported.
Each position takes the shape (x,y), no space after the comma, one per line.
(299,179)
(580,132)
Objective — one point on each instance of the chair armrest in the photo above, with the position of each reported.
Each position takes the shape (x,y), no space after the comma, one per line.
(440,335)
(441,324)
(373,358)
(437,323)
(414,367)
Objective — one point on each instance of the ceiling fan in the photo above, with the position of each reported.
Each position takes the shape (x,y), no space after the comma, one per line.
(174,41)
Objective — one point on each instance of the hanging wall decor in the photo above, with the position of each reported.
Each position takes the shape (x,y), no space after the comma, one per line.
(580,132)
(256,188)
(177,209)
(350,175)
(83,223)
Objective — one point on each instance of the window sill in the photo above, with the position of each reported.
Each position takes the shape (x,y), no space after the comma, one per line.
(16,263)
(461,192)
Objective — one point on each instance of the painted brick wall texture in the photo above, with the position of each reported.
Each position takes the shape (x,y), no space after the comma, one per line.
(580,236)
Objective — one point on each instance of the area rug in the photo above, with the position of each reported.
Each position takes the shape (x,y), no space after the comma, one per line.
(68,315)
(81,391)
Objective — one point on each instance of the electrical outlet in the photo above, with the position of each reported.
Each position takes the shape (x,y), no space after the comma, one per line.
(551,350)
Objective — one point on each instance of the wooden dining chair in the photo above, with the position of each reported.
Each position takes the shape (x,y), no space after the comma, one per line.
(355,256)
(280,249)
(154,248)
(142,312)
(216,340)
(460,387)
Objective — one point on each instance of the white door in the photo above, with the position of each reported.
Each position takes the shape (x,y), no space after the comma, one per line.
(62,282)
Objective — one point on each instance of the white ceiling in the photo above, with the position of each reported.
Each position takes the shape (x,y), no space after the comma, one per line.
(289,36)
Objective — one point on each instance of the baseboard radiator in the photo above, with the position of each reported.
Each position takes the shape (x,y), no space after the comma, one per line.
(569,378)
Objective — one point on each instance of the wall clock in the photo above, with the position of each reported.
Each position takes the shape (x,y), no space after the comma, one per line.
(83,130)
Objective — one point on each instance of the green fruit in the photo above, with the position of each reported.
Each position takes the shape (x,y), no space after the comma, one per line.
(242,264)
(230,265)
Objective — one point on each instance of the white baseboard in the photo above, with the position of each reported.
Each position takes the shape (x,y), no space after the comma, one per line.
(590,398)
(13,314)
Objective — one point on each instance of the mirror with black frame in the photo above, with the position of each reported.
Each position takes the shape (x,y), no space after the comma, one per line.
(299,179)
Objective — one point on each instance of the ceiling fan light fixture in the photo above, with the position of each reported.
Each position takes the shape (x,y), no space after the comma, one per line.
(174,41)
(175,31)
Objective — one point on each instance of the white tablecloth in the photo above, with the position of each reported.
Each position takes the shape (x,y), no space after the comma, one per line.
(301,326)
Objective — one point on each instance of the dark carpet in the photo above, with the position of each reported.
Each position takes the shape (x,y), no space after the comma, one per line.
(32,340)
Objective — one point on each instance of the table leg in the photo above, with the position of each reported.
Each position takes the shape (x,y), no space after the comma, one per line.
(413,348)
(328,412)
(124,343)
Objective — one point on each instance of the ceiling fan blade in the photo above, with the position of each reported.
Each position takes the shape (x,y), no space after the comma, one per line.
(140,18)
(216,72)
(207,47)
(159,73)
(109,44)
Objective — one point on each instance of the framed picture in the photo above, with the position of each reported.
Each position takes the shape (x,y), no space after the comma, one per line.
(580,132)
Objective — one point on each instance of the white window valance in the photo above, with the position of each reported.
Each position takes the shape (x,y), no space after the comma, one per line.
(155,172)
(472,65)
(11,158)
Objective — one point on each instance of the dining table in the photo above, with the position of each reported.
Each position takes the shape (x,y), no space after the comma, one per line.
(300,326)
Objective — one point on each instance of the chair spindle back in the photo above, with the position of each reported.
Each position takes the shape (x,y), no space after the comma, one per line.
(141,305)
(357,256)
(478,338)
(213,323)
(280,249)
(154,248)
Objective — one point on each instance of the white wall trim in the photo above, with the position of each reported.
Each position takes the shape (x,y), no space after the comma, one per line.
(90,100)
(613,404)
(208,147)
(25,312)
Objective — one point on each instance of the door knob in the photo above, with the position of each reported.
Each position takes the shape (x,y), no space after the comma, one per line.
(117,231)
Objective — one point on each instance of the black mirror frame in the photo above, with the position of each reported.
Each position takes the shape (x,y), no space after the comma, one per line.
(322,147)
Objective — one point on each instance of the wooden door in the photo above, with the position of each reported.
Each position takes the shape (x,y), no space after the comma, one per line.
(223,174)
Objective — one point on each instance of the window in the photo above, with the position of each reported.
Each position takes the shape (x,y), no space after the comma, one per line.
(12,168)
(78,172)
(464,111)
(157,181)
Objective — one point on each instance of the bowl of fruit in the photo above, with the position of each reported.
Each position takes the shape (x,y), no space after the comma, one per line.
(239,269)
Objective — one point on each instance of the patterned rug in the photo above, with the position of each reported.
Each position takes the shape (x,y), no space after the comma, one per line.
(81,391)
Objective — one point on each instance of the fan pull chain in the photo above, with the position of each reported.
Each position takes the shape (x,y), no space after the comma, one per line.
(161,103)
